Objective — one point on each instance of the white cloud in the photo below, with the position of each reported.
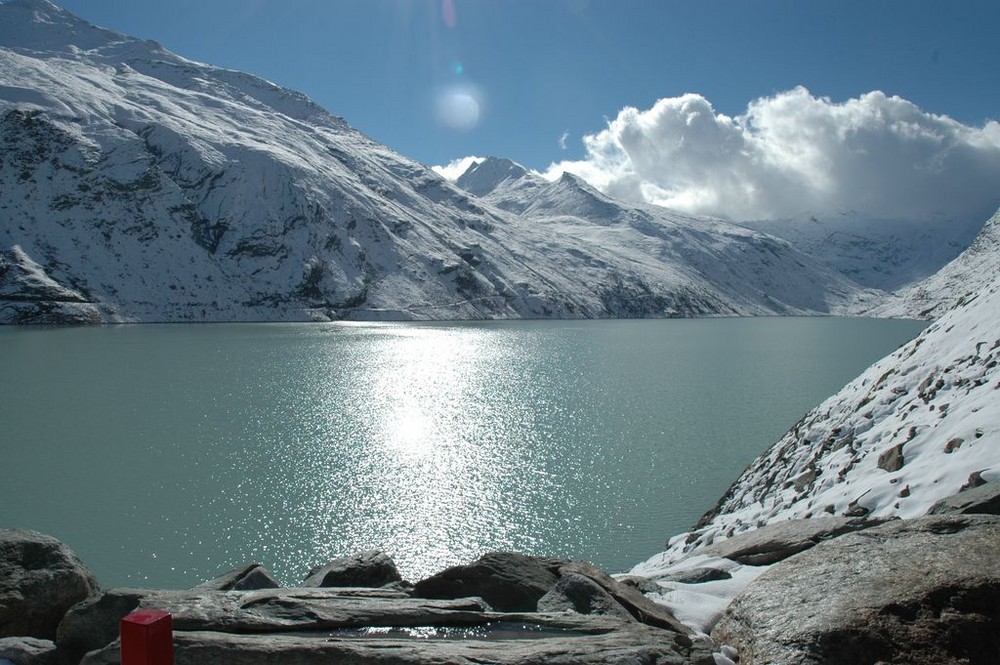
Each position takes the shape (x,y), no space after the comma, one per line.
(562,140)
(795,153)
(456,167)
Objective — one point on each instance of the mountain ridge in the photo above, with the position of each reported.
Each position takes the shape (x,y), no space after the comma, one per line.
(156,188)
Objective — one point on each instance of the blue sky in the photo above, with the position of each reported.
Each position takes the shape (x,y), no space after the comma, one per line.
(530,79)
(542,68)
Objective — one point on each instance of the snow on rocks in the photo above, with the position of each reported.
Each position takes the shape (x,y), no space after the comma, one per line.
(929,412)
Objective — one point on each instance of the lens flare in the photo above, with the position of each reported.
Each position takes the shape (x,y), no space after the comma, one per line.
(459,107)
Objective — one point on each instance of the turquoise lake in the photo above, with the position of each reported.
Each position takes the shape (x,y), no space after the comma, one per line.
(166,454)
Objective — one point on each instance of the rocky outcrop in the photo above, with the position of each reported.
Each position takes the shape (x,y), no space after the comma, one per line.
(780,540)
(40,578)
(313,625)
(365,569)
(984,500)
(249,577)
(508,581)
(923,591)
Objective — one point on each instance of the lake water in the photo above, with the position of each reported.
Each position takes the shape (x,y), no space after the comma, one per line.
(165,454)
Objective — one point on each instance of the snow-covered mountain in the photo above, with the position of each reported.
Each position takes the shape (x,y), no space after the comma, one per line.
(884,254)
(967,274)
(721,265)
(919,425)
(138,185)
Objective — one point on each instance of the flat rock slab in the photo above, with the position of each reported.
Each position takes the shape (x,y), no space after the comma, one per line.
(984,500)
(775,542)
(634,644)
(27,651)
(921,592)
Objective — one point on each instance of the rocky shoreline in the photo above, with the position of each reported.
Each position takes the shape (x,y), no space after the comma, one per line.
(825,590)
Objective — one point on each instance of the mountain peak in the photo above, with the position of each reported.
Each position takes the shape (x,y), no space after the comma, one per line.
(42,25)
(482,178)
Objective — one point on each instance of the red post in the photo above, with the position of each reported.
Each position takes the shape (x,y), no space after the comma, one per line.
(147,638)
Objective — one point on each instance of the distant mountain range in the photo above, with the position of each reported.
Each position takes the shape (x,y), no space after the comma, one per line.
(142,186)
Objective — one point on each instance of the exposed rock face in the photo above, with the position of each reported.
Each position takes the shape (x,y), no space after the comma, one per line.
(365,569)
(312,625)
(923,591)
(780,540)
(40,578)
(245,578)
(984,499)
(509,582)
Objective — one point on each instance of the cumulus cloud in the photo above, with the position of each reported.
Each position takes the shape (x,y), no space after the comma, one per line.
(794,153)
(456,167)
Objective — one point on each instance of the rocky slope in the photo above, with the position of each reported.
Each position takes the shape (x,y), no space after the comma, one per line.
(970,272)
(916,434)
(141,186)
(915,427)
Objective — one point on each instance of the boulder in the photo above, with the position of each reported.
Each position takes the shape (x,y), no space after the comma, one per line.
(365,569)
(923,592)
(984,499)
(635,603)
(245,578)
(774,542)
(578,593)
(508,581)
(40,578)
(27,651)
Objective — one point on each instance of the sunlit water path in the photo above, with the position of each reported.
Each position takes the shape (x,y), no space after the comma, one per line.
(165,454)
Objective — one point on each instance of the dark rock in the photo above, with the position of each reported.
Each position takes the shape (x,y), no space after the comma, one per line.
(778,541)
(892,459)
(508,581)
(984,499)
(40,578)
(640,607)
(578,593)
(27,651)
(698,576)
(922,592)
(365,569)
(245,578)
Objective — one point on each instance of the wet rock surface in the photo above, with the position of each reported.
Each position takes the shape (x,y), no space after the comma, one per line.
(377,626)
(923,591)
(40,578)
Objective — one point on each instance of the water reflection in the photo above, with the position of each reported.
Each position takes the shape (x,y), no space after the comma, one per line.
(169,453)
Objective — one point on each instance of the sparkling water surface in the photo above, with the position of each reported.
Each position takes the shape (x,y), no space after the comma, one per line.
(166,454)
